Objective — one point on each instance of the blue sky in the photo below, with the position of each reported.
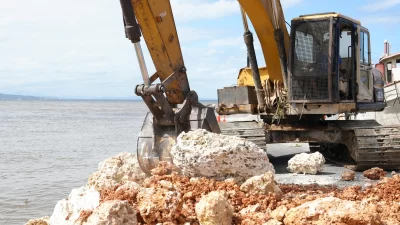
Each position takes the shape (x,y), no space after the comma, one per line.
(78,49)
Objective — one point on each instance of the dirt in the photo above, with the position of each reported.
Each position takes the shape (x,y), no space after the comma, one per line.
(374,173)
(385,195)
(115,194)
(85,215)
(348,175)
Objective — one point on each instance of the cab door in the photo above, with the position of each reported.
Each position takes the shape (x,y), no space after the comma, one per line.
(364,77)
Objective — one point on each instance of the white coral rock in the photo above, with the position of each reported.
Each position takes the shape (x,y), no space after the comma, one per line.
(117,170)
(158,205)
(113,212)
(200,153)
(331,210)
(214,209)
(261,185)
(41,221)
(68,211)
(306,163)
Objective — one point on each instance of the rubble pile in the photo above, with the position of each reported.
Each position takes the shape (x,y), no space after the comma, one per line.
(169,197)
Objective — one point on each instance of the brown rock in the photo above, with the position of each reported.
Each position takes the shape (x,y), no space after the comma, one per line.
(374,173)
(273,222)
(158,205)
(254,218)
(116,171)
(167,223)
(390,222)
(214,209)
(128,192)
(279,213)
(250,209)
(164,168)
(261,185)
(348,175)
(331,210)
(113,213)
(40,221)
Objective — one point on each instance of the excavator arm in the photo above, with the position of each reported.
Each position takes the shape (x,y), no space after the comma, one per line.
(158,28)
(169,86)
(269,24)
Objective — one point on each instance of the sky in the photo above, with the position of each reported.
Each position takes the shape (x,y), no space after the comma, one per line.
(77,49)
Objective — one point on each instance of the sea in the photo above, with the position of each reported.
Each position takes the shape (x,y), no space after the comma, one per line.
(50,147)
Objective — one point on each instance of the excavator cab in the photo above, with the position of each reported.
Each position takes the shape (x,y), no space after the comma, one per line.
(330,63)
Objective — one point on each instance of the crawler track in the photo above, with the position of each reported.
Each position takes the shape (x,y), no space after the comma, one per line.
(369,144)
(376,146)
(251,131)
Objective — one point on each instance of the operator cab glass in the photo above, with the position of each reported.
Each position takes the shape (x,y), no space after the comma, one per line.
(311,59)
(323,65)
(345,67)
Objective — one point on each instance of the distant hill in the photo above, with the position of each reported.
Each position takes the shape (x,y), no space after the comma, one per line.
(80,98)
(19,97)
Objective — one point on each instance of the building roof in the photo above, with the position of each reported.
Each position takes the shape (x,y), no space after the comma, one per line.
(389,57)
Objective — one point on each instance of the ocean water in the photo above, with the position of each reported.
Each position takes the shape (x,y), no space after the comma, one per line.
(47,148)
(50,147)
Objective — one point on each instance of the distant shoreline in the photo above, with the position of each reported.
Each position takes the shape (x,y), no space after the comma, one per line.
(7,97)
(87,100)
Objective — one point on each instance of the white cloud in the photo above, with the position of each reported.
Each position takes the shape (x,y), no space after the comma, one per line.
(192,34)
(59,49)
(225,42)
(187,10)
(290,3)
(381,19)
(380,5)
(211,51)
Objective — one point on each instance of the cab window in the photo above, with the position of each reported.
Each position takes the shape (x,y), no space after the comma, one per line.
(364,48)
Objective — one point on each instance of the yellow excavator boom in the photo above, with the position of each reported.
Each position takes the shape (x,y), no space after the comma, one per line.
(158,28)
(267,16)
(157,24)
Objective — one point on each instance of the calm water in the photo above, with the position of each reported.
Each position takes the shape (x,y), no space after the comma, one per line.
(49,147)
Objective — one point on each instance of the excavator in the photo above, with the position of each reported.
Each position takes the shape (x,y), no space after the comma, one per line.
(320,70)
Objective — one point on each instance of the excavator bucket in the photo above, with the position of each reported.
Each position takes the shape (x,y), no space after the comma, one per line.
(155,141)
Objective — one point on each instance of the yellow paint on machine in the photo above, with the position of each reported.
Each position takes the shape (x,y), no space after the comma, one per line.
(328,15)
(261,16)
(159,31)
(245,77)
(160,34)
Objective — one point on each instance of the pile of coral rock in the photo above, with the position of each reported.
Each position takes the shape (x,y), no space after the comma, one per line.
(217,180)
